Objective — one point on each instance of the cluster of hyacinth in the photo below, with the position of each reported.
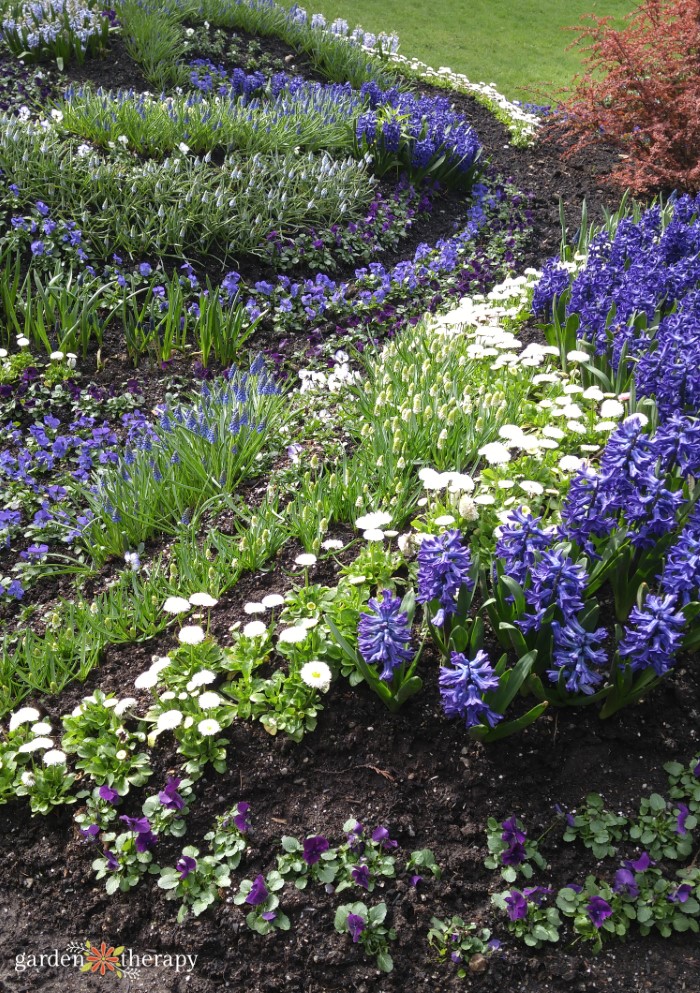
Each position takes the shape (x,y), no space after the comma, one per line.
(384,635)
(444,567)
(648,269)
(56,28)
(637,496)
(422,134)
(462,688)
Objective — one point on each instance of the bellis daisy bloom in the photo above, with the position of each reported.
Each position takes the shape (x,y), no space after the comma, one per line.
(201,678)
(255,629)
(54,757)
(209,700)
(272,600)
(203,600)
(316,674)
(377,519)
(208,727)
(177,605)
(306,559)
(191,634)
(23,716)
(294,635)
(168,720)
(146,680)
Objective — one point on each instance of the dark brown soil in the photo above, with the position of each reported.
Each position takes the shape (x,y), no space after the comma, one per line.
(415,772)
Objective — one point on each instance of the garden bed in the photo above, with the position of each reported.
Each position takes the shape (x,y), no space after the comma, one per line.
(310,763)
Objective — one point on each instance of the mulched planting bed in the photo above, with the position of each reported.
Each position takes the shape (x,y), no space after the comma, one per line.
(413,771)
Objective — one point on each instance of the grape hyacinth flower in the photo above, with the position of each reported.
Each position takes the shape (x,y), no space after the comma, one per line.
(384,635)
(462,687)
(443,568)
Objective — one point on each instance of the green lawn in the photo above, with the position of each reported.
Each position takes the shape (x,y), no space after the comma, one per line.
(520,46)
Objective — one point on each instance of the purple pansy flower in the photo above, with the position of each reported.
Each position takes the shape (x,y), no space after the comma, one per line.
(240,818)
(169,797)
(107,794)
(258,892)
(186,865)
(314,848)
(356,925)
(360,875)
(598,910)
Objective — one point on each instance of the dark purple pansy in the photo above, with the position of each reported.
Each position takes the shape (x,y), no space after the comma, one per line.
(258,892)
(107,794)
(112,860)
(682,893)
(240,817)
(269,915)
(626,884)
(356,926)
(598,910)
(360,875)
(314,847)
(415,880)
(186,865)
(90,832)
(516,904)
(169,797)
(641,864)
(683,815)
(381,835)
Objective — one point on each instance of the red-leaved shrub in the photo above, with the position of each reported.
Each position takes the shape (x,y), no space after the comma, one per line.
(641,92)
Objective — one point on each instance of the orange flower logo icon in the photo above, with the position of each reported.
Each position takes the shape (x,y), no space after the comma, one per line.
(105,959)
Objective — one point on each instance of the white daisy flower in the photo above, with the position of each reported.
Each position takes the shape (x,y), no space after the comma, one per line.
(161,663)
(208,727)
(611,408)
(306,559)
(570,463)
(28,779)
(23,716)
(147,680)
(376,519)
(201,678)
(203,600)
(191,634)
(54,757)
(293,635)
(42,727)
(373,534)
(124,704)
(35,745)
(444,520)
(495,453)
(272,600)
(168,720)
(331,545)
(254,608)
(176,605)
(578,356)
(255,629)
(531,487)
(209,700)
(316,674)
